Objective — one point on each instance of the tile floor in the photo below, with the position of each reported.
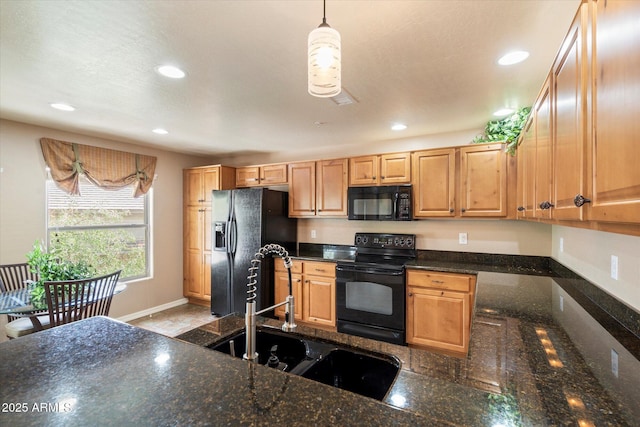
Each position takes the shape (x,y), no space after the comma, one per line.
(175,321)
(171,322)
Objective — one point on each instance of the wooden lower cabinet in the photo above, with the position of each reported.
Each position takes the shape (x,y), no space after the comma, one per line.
(314,290)
(439,309)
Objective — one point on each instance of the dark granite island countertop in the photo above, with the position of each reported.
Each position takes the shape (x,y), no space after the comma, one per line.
(538,356)
(102,372)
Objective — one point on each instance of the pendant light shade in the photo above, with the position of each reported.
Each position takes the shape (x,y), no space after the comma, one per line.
(324,61)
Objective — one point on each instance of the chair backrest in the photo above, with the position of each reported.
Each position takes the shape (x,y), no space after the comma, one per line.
(13,276)
(72,300)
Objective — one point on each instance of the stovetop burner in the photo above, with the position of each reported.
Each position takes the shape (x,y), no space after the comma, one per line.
(392,250)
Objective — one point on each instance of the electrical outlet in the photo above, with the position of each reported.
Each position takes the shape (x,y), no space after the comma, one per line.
(313,234)
(462,238)
(561,244)
(614,362)
(614,267)
(561,303)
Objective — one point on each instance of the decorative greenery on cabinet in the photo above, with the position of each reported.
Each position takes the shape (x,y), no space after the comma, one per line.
(506,130)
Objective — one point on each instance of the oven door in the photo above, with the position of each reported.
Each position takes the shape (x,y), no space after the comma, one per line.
(371,296)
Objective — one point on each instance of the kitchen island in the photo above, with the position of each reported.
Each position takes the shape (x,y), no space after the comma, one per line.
(533,360)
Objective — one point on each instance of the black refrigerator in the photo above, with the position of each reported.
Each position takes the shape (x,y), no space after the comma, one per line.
(243,221)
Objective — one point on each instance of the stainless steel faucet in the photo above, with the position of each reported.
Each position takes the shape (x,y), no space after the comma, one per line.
(250,316)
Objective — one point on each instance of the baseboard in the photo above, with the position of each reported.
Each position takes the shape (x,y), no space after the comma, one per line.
(152,310)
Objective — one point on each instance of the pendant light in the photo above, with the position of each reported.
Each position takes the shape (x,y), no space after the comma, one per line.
(324,60)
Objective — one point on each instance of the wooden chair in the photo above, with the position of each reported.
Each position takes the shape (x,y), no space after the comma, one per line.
(15,276)
(73,300)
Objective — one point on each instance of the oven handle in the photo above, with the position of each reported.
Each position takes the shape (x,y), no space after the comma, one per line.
(370,270)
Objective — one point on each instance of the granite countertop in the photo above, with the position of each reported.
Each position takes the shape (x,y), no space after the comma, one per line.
(531,361)
(538,356)
(103,372)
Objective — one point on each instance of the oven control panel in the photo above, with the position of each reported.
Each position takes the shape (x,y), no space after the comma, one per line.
(384,240)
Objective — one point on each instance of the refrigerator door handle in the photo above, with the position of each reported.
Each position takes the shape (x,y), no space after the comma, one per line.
(234,237)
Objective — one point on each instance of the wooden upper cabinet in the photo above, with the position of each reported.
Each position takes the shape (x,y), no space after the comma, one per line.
(614,154)
(318,188)
(248,176)
(434,183)
(385,169)
(302,189)
(252,176)
(363,170)
(331,187)
(526,172)
(200,181)
(273,174)
(569,124)
(469,181)
(395,168)
(544,161)
(483,181)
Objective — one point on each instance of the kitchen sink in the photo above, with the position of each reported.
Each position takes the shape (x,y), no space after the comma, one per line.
(354,371)
(358,371)
(290,350)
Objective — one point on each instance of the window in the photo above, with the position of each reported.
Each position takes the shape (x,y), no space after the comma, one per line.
(109,229)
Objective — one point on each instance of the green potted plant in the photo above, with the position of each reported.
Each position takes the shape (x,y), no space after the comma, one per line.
(49,268)
(506,130)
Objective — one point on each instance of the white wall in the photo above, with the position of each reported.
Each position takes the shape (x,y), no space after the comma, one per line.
(588,253)
(22,209)
(484,236)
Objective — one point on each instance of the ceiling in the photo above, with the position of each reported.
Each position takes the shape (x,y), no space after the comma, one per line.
(429,64)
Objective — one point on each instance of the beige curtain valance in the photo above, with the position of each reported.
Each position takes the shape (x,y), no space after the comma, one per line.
(109,169)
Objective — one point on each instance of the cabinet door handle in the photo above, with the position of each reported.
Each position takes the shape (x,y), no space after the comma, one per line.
(521,209)
(451,210)
(463,210)
(442,293)
(580,200)
(546,205)
(382,177)
(410,294)
(373,177)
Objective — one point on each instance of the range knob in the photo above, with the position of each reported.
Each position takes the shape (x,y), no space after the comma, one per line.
(358,240)
(409,241)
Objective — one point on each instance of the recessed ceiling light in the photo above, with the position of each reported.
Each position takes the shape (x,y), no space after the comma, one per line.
(160,131)
(398,126)
(513,57)
(503,112)
(170,71)
(62,107)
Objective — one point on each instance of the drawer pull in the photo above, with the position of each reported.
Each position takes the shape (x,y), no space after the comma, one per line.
(437,281)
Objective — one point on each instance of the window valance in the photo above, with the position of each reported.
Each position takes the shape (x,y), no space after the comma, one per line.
(109,169)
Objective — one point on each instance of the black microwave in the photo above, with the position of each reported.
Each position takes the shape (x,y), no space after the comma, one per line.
(384,203)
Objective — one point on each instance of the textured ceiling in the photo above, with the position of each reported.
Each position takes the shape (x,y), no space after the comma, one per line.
(429,64)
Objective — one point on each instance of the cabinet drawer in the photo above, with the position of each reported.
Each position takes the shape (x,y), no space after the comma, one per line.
(296,267)
(327,269)
(437,280)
